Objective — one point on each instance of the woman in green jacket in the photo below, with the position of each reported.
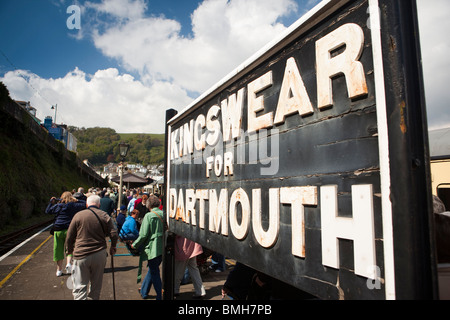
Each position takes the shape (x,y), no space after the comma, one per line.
(151,240)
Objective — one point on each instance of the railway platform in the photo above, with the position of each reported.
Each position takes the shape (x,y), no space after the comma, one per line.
(28,273)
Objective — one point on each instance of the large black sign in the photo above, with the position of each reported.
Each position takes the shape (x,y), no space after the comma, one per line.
(309,163)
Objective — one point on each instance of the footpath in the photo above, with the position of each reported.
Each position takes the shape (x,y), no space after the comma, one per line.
(29,273)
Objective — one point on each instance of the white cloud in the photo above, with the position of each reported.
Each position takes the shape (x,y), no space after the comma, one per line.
(125,9)
(435,43)
(225,33)
(169,64)
(105,99)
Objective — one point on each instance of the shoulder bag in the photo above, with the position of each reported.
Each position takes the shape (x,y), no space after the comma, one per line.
(165,226)
(103,228)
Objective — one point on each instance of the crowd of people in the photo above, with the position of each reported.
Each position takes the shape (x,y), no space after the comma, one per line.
(83,222)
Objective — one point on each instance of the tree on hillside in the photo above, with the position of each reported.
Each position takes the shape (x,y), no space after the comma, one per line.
(101,146)
(95,144)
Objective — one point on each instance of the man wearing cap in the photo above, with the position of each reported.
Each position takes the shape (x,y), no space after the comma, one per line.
(80,194)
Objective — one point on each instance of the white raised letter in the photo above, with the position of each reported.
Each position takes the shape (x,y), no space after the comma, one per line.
(213,125)
(352,37)
(173,145)
(201,195)
(360,228)
(181,143)
(266,238)
(190,207)
(218,165)
(256,104)
(218,211)
(188,138)
(232,115)
(240,231)
(298,197)
(199,137)
(172,202)
(180,213)
(209,165)
(228,164)
(293,95)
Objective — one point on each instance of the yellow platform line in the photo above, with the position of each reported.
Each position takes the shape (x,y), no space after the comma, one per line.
(23,261)
(230,262)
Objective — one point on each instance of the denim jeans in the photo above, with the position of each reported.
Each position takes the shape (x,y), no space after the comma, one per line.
(152,277)
(128,236)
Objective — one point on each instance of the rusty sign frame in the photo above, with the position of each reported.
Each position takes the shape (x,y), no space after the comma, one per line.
(364,202)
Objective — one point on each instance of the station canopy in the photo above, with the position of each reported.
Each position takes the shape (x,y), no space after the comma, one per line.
(132,180)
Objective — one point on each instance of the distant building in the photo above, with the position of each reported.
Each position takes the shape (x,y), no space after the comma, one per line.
(439,141)
(132,180)
(61,133)
(31,110)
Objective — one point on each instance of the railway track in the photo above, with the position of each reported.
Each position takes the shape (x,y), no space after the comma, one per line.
(9,241)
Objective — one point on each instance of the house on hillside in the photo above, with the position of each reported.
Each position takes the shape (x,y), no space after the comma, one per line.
(31,110)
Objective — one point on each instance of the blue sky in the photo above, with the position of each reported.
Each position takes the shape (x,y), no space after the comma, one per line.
(38,39)
(35,38)
(136,58)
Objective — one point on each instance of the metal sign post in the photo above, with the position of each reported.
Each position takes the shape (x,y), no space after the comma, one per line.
(168,270)
(310,162)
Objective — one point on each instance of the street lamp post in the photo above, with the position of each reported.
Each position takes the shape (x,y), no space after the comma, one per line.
(123,150)
(55,107)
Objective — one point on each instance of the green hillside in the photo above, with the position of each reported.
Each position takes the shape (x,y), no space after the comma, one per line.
(145,148)
(101,146)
